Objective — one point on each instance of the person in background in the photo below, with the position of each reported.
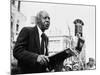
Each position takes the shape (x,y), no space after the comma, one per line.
(67,65)
(31,46)
(76,66)
(91,64)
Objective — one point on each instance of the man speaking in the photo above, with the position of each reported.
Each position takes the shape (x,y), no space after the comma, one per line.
(31,46)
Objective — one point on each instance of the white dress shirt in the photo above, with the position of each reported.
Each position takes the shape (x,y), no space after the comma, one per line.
(40,33)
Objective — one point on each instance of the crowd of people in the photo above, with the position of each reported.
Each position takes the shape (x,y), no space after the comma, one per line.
(77,65)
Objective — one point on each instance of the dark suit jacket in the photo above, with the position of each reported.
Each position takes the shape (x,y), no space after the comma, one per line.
(27,49)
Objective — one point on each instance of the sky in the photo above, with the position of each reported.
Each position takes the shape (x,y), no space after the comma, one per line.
(62,17)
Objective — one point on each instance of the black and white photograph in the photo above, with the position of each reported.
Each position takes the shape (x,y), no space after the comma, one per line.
(51,37)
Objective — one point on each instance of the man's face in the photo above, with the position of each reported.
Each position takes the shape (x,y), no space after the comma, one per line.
(44,21)
(91,62)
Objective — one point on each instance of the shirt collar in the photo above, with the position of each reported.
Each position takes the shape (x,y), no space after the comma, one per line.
(39,30)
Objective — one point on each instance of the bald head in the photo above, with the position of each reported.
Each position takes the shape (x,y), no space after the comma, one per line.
(42,13)
(43,20)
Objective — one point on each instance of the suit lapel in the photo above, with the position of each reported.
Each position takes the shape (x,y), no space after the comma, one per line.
(37,37)
(37,40)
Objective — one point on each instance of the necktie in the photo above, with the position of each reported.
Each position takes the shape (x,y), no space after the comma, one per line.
(42,43)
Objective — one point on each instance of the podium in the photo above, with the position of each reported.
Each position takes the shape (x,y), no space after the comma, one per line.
(61,56)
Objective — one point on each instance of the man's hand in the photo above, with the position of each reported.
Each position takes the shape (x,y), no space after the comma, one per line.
(42,59)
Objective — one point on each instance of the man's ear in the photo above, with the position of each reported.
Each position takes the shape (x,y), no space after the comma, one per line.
(38,20)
